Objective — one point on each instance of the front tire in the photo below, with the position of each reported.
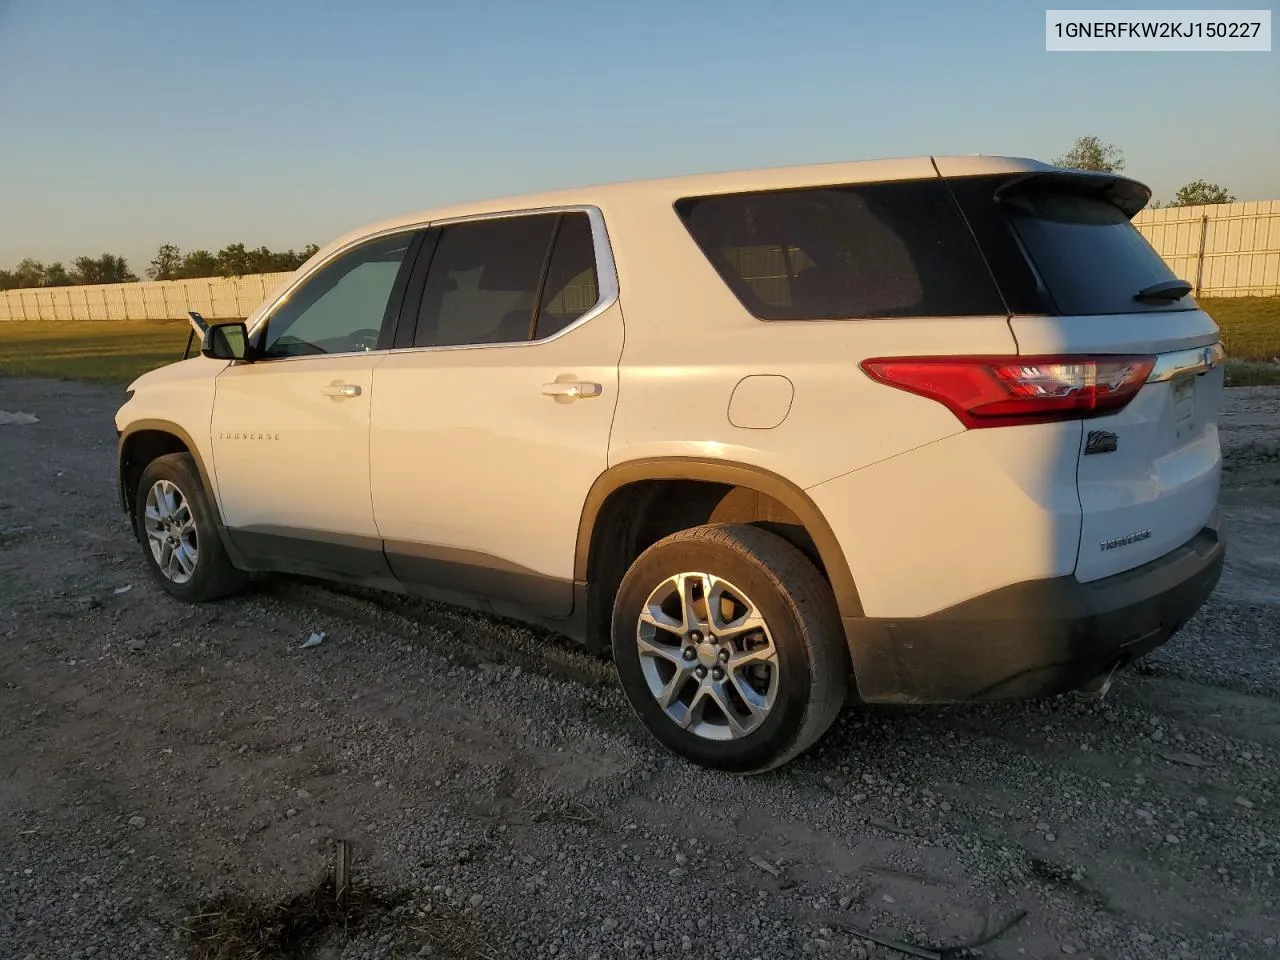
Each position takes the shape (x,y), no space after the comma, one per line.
(178,530)
(729,647)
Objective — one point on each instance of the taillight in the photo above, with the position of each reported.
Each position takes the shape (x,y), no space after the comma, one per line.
(1005,391)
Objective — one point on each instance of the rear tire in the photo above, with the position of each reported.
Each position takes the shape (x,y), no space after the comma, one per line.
(743,683)
(178,530)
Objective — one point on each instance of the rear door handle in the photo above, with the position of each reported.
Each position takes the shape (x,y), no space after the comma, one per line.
(566,390)
(338,390)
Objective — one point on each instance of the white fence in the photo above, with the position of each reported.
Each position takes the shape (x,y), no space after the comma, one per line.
(1223,250)
(215,298)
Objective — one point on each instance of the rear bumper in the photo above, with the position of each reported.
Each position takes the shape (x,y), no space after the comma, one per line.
(1037,638)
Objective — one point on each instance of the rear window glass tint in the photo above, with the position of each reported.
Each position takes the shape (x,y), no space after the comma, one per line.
(844,252)
(1090,257)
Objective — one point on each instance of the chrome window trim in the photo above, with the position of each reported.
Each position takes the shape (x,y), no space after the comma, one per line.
(1194,360)
(606,273)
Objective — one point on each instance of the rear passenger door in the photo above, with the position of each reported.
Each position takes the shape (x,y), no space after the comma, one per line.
(491,417)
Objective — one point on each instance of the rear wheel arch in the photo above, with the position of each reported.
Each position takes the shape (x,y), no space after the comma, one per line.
(637,503)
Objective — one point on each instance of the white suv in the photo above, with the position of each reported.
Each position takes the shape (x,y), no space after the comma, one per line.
(947,426)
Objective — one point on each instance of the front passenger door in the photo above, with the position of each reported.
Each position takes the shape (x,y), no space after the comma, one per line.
(291,429)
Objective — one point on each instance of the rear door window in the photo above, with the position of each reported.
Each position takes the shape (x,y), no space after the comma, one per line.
(482,286)
(845,252)
(508,280)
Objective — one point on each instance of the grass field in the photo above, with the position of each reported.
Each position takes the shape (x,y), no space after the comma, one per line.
(1251,333)
(117,351)
(99,351)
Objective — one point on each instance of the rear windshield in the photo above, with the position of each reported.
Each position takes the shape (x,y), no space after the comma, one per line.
(845,252)
(1061,252)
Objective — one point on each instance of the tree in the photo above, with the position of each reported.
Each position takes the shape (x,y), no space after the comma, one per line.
(1090,153)
(28,273)
(166,263)
(33,273)
(287,260)
(107,268)
(1201,191)
(55,275)
(169,263)
(196,264)
(263,260)
(234,260)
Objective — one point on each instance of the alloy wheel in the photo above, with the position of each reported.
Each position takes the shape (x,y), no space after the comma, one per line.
(707,656)
(171,531)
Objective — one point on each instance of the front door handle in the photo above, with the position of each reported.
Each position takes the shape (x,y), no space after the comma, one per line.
(567,390)
(338,390)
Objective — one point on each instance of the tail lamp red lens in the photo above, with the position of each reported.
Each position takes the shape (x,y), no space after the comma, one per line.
(1006,391)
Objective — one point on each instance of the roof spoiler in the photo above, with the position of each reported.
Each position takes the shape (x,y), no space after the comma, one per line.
(1128,196)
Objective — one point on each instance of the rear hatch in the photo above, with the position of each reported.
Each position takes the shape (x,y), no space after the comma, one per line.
(1081,281)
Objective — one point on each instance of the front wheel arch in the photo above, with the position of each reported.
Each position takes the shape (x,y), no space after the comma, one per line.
(190,523)
(142,442)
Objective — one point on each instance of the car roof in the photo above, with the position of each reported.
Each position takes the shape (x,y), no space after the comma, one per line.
(670,189)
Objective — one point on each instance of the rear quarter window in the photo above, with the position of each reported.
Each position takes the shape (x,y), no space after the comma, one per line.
(1091,258)
(844,252)
(1060,250)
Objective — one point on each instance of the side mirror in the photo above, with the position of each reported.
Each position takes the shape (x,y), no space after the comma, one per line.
(226,341)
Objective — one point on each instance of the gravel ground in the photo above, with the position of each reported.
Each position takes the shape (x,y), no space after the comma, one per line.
(158,759)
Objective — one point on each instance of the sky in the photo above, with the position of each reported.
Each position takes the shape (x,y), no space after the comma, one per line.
(128,124)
